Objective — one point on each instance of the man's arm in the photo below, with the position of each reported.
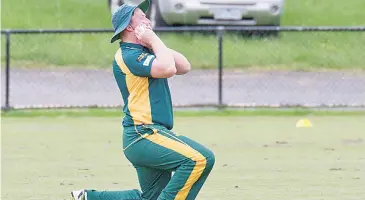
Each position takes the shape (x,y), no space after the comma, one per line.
(182,64)
(163,65)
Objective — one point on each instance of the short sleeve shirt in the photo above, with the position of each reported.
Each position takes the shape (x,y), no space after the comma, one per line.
(147,100)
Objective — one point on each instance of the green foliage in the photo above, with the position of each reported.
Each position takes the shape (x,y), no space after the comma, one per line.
(295,51)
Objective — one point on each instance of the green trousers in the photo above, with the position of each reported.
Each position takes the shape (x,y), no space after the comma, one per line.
(156,152)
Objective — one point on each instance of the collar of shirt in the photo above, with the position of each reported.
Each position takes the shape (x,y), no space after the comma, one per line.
(128,45)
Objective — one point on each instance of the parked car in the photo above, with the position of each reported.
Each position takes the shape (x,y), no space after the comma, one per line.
(114,4)
(212,12)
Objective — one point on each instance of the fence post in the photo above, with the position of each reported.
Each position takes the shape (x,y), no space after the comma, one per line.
(220,31)
(7,70)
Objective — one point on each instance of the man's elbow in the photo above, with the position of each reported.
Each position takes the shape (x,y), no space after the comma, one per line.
(185,69)
(170,71)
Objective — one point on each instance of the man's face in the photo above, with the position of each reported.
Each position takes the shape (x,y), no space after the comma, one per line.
(138,18)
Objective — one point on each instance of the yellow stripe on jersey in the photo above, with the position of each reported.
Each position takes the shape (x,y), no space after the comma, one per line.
(187,151)
(138,101)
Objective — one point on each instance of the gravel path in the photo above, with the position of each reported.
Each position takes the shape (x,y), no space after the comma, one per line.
(40,87)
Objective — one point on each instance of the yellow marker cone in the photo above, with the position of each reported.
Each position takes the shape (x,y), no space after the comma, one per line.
(304,123)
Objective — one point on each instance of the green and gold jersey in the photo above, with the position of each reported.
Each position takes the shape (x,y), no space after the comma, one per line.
(147,100)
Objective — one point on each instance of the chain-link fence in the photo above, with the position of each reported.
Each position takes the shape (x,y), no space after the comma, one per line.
(234,66)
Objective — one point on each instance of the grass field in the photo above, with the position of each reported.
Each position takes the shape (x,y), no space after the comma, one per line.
(264,158)
(305,51)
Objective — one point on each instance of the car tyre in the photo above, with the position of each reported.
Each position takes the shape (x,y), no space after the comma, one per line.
(261,33)
(114,4)
(155,15)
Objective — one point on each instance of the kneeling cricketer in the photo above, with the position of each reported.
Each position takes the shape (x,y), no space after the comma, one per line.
(141,67)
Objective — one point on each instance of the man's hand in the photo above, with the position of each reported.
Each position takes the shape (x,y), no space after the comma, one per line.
(145,35)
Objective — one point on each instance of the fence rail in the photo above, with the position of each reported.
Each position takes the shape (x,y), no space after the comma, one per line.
(195,29)
(220,33)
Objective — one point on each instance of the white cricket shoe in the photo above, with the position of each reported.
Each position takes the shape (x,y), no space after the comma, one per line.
(79,195)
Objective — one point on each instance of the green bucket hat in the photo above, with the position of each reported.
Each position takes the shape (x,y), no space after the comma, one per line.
(122,17)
